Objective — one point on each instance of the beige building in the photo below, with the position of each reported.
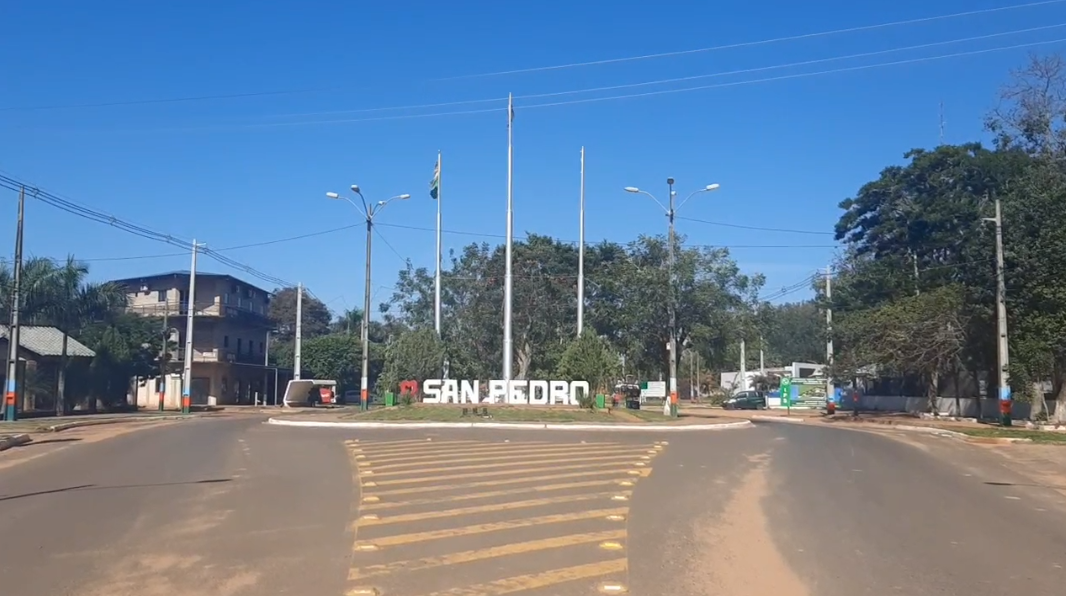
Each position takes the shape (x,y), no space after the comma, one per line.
(230,337)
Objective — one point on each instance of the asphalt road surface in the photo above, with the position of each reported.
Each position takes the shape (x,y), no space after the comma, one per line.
(232,507)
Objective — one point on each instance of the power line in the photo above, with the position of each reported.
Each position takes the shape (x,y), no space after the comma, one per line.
(759,42)
(610,97)
(91,214)
(757,228)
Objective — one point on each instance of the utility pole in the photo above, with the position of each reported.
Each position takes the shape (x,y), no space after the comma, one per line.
(743,364)
(186,384)
(266,368)
(829,332)
(164,354)
(581,252)
(508,341)
(436,194)
(762,357)
(1002,347)
(296,357)
(673,302)
(364,376)
(14,330)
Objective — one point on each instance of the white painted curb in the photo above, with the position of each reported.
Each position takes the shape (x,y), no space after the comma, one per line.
(779,419)
(507,425)
(931,431)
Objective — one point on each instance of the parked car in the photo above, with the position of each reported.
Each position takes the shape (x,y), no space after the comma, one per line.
(746,400)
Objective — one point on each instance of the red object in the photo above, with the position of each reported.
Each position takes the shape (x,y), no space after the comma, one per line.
(831,408)
(326,395)
(1004,407)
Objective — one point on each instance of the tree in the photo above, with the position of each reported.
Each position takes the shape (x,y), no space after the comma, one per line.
(316,318)
(589,358)
(413,355)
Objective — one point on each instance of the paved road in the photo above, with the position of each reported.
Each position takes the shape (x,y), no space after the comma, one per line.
(232,507)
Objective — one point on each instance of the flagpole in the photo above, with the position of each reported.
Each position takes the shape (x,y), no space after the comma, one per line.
(581,252)
(436,289)
(507,287)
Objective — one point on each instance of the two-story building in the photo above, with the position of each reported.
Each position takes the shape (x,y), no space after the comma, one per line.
(230,344)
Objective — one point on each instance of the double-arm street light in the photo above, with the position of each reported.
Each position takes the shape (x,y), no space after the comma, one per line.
(369,210)
(670,210)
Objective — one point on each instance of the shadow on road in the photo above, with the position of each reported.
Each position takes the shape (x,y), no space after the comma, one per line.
(84,487)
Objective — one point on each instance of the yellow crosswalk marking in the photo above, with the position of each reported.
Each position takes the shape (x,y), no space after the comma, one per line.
(415,537)
(440,467)
(424,479)
(494,452)
(523,480)
(488,494)
(429,451)
(510,506)
(486,553)
(533,581)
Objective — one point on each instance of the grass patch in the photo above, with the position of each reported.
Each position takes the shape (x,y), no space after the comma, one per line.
(450,413)
(1037,436)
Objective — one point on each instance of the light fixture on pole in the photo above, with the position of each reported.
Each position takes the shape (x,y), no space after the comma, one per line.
(672,302)
(369,210)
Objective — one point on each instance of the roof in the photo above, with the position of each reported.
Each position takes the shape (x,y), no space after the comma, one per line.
(184,273)
(47,341)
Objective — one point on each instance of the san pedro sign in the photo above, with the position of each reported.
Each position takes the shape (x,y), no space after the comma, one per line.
(515,392)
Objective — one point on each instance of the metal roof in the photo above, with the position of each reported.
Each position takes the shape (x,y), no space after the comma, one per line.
(47,341)
(185,273)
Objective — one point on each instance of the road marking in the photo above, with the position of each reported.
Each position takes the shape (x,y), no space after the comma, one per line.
(497,455)
(494,493)
(492,463)
(415,537)
(1013,498)
(440,446)
(485,553)
(389,457)
(549,468)
(522,583)
(362,592)
(413,442)
(412,517)
(465,485)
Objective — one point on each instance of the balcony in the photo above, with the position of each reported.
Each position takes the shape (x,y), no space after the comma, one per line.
(219,355)
(244,312)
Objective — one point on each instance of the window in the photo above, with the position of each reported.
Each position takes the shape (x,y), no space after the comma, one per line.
(240,345)
(262,348)
(225,299)
(162,295)
(225,341)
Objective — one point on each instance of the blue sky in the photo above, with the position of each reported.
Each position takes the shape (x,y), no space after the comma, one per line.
(242,170)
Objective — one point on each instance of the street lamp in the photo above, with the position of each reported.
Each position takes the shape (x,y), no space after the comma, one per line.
(671,407)
(369,210)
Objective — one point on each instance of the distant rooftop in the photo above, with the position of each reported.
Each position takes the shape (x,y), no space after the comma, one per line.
(47,341)
(185,273)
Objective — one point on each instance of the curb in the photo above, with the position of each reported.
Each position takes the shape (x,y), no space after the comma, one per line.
(14,441)
(962,436)
(779,419)
(506,425)
(55,428)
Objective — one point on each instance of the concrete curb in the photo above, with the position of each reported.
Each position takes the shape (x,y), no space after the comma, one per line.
(508,425)
(14,441)
(961,436)
(81,423)
(779,419)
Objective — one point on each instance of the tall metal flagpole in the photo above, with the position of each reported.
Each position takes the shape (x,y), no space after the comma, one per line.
(436,289)
(581,253)
(507,340)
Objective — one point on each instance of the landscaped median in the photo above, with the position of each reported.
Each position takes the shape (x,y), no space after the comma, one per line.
(492,416)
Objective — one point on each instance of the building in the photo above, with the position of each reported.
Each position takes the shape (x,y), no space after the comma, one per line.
(230,337)
(40,353)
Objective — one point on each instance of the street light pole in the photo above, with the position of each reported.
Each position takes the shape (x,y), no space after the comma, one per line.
(671,406)
(369,211)
(186,385)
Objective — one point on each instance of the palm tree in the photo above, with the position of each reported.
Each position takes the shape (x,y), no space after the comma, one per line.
(57,294)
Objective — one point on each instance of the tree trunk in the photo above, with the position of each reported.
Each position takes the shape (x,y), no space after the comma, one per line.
(525,357)
(978,397)
(1038,409)
(1059,416)
(930,393)
(61,389)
